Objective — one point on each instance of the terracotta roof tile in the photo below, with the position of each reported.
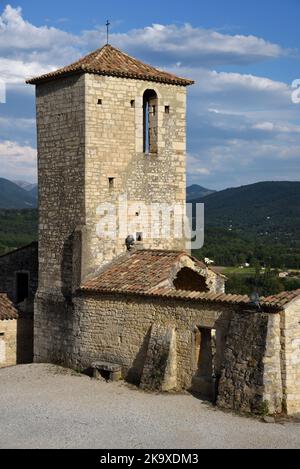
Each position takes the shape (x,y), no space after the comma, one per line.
(110,61)
(148,273)
(141,271)
(7,309)
(281,299)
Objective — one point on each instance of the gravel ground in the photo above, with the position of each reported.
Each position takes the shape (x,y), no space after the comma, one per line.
(43,406)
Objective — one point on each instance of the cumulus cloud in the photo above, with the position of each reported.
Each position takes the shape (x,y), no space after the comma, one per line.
(192,46)
(31,50)
(17,160)
(18,34)
(238,123)
(235,162)
(274,127)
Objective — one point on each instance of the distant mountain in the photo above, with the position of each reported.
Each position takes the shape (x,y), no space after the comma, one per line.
(195,192)
(264,208)
(13,196)
(28,186)
(34,192)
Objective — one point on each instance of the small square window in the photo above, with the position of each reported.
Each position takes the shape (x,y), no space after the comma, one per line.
(2,334)
(132,103)
(167,109)
(111,183)
(99,102)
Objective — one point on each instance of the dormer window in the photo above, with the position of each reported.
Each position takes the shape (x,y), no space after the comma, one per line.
(150,108)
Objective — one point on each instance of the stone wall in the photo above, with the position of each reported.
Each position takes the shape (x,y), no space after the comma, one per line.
(156,341)
(90,130)
(25,339)
(8,343)
(118,329)
(251,374)
(21,260)
(290,342)
(81,145)
(53,329)
(114,149)
(61,171)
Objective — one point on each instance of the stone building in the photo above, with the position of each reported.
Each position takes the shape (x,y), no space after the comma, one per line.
(19,274)
(19,281)
(110,125)
(8,332)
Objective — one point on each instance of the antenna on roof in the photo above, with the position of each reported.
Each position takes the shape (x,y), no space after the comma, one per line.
(107,31)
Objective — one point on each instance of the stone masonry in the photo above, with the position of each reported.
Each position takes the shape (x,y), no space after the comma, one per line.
(159,314)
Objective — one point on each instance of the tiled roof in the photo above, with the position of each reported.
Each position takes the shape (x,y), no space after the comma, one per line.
(276,302)
(7,309)
(112,62)
(142,271)
(148,273)
(281,299)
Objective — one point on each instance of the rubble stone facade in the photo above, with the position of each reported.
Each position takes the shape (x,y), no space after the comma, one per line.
(20,261)
(8,342)
(91,150)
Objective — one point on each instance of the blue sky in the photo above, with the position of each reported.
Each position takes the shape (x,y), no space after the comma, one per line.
(242,124)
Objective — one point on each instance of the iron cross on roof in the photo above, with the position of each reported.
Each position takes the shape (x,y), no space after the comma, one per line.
(107,31)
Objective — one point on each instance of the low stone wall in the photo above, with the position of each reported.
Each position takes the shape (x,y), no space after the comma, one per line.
(117,329)
(251,374)
(257,362)
(8,343)
(290,343)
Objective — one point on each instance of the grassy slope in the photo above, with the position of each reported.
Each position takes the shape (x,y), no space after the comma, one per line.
(260,221)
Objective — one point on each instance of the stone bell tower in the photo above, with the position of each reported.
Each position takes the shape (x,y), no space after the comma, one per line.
(109,127)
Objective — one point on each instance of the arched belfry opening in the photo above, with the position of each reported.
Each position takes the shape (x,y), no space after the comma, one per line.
(188,279)
(150,111)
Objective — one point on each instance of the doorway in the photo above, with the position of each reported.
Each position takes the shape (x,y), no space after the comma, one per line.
(206,363)
(22,286)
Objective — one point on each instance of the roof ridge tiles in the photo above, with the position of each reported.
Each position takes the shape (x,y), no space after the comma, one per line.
(111,61)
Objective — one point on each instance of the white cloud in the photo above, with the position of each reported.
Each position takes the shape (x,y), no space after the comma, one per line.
(190,45)
(14,71)
(18,34)
(29,50)
(239,123)
(274,127)
(17,160)
(12,123)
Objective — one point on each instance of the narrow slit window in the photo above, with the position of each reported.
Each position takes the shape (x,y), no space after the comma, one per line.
(139,237)
(132,103)
(99,102)
(150,106)
(167,109)
(111,183)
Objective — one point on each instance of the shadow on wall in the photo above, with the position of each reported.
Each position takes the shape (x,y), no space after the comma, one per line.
(71,263)
(134,375)
(25,339)
(67,266)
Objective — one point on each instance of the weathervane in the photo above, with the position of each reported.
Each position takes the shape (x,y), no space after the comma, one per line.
(107,31)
